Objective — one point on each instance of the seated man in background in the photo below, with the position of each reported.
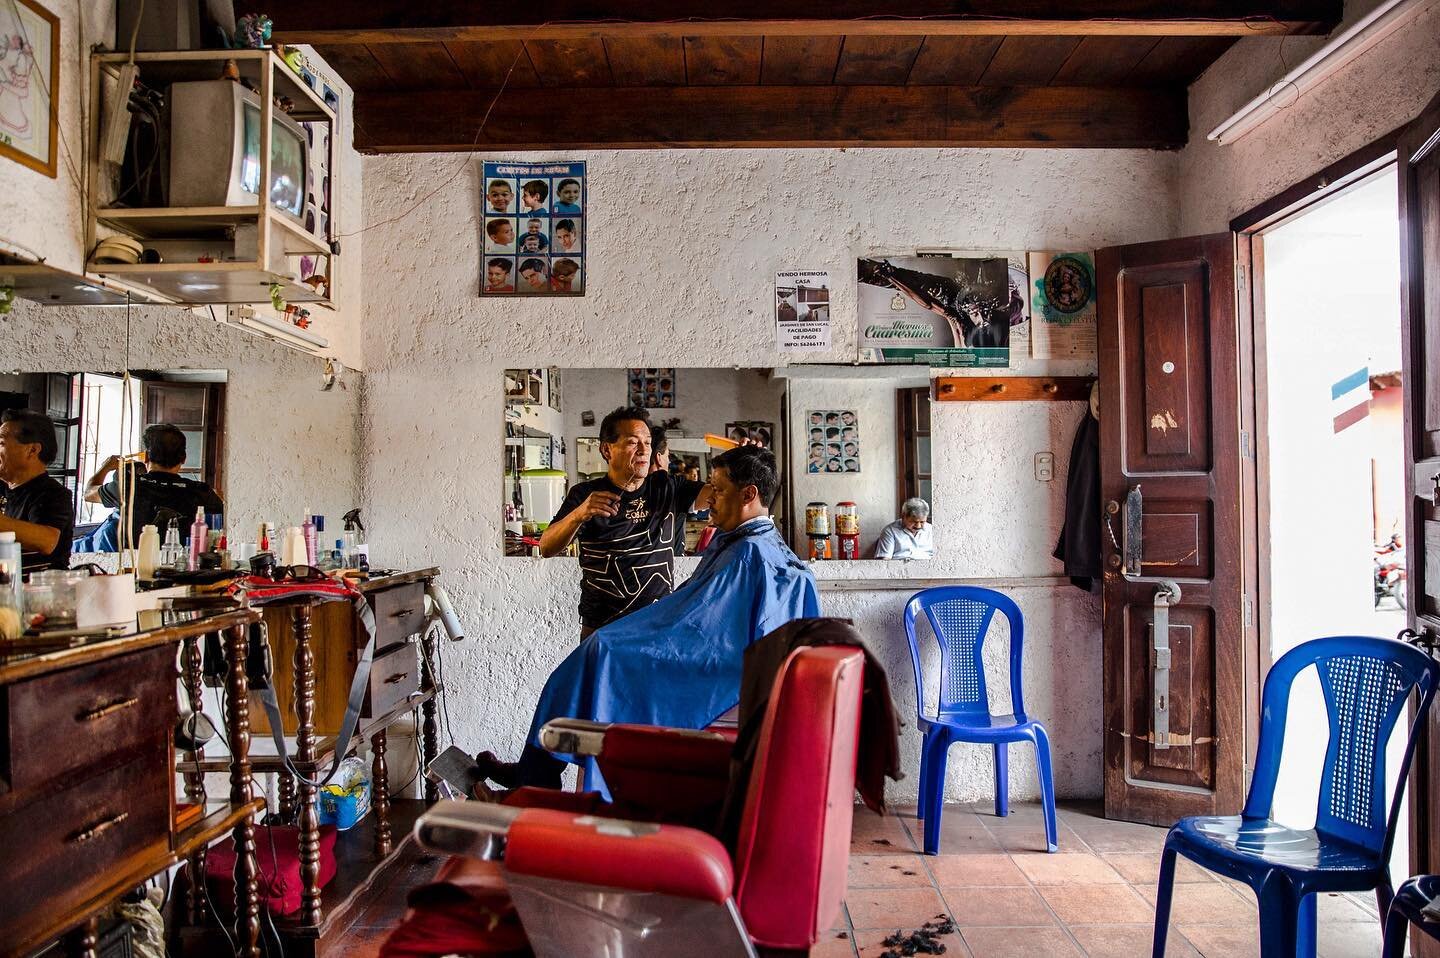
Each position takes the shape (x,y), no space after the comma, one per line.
(677,662)
(36,507)
(158,489)
(909,537)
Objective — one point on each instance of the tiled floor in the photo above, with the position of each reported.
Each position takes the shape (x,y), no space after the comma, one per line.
(1010,899)
(1095,897)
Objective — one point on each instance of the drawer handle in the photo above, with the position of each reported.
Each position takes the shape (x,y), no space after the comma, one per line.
(401,613)
(95,831)
(100,711)
(397,677)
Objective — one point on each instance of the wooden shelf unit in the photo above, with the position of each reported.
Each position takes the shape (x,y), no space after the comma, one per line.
(277,233)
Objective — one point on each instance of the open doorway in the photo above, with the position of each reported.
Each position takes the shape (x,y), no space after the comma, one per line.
(1328,334)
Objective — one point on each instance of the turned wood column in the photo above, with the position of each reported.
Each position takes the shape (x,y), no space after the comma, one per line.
(380,793)
(287,796)
(429,741)
(84,941)
(190,668)
(237,721)
(309,819)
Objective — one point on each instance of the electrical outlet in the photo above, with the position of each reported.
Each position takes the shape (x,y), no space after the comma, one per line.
(1044,466)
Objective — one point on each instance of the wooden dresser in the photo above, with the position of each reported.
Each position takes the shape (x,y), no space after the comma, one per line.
(87,772)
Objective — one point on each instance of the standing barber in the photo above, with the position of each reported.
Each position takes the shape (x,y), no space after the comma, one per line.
(625,522)
(37,508)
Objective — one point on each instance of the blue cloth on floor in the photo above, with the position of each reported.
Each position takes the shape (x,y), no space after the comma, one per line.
(677,662)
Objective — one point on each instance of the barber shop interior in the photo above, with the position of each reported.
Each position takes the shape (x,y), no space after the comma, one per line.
(676,480)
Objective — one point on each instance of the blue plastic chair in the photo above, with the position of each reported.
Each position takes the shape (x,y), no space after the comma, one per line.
(1410,898)
(1366,682)
(960,615)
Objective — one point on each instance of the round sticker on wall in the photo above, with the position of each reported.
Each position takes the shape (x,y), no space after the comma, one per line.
(1067,284)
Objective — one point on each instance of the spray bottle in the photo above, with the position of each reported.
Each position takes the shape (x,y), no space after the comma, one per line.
(199,538)
(172,553)
(357,553)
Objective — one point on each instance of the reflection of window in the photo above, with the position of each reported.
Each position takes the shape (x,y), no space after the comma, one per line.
(912,455)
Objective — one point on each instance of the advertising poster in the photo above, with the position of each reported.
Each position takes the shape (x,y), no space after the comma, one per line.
(834,437)
(937,311)
(1062,297)
(1018,262)
(802,311)
(533,232)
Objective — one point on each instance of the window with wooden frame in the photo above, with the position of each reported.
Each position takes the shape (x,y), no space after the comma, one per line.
(912,436)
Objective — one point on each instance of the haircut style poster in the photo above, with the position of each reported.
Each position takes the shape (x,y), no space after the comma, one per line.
(834,440)
(936,311)
(532,234)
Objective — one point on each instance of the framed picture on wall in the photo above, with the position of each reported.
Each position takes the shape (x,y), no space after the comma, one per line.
(29,84)
(834,440)
(762,433)
(533,237)
(651,387)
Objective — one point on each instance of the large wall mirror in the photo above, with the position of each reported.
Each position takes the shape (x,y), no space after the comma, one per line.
(98,415)
(852,443)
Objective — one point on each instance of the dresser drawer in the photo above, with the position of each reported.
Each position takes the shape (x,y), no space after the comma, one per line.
(393,676)
(80,718)
(59,852)
(399,614)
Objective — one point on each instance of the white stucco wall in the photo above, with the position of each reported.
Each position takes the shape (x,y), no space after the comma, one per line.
(1383,89)
(718,224)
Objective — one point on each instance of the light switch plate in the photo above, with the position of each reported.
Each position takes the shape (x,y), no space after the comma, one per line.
(1044,466)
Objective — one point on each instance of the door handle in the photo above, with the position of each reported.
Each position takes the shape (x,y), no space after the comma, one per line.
(1167,594)
(1129,545)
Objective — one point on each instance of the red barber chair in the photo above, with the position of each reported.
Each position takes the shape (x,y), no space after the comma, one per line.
(583,884)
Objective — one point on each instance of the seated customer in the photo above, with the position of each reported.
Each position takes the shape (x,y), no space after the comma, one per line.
(677,662)
(37,508)
(909,537)
(159,487)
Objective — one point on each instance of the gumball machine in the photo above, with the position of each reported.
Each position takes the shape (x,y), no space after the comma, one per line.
(817,528)
(847,530)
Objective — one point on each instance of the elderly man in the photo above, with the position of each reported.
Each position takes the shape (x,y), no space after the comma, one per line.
(37,508)
(677,662)
(909,537)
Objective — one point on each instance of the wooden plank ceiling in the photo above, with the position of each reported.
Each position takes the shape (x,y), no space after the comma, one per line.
(678,73)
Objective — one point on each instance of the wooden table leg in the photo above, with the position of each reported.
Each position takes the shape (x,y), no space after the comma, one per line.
(305,756)
(380,793)
(237,721)
(190,659)
(84,941)
(287,796)
(429,742)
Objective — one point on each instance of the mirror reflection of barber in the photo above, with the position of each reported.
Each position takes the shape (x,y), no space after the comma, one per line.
(626,523)
(37,508)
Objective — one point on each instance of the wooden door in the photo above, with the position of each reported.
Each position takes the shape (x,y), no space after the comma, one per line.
(1419,182)
(1171,396)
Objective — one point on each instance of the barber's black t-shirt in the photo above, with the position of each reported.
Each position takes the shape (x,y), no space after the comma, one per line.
(627,561)
(156,491)
(46,502)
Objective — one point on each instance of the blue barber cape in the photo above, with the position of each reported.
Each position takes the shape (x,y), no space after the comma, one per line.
(677,662)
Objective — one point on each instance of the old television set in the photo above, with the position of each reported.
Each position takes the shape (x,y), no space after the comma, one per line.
(215,150)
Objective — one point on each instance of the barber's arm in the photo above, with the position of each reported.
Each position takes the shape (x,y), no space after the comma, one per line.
(92,486)
(32,536)
(561,533)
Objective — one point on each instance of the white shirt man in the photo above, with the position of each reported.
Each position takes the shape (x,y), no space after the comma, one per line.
(909,537)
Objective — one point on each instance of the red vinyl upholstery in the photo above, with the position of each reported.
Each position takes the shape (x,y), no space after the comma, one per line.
(794,849)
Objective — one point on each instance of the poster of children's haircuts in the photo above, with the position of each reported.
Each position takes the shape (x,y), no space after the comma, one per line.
(802,311)
(652,388)
(834,436)
(937,311)
(533,233)
(1063,295)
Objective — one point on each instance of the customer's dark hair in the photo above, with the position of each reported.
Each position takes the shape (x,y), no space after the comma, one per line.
(31,426)
(751,466)
(610,425)
(164,445)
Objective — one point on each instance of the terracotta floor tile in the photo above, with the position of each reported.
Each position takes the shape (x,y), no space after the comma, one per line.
(1208,904)
(975,907)
(1097,904)
(1121,838)
(893,907)
(883,871)
(1349,939)
(1045,869)
(1221,941)
(962,835)
(874,835)
(1050,942)
(1129,941)
(1141,868)
(1031,838)
(833,945)
(871,943)
(974,870)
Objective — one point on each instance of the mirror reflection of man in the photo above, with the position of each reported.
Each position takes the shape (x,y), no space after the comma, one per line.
(625,522)
(37,508)
(159,487)
(909,537)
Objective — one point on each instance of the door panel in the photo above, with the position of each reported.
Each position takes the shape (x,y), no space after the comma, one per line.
(1419,184)
(1170,381)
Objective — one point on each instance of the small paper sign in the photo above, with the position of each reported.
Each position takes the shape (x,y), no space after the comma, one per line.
(802,311)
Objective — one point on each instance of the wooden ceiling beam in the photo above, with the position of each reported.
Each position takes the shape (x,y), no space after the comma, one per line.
(404,21)
(771,116)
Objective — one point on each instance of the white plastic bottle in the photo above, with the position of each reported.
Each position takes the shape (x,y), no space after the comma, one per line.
(149,557)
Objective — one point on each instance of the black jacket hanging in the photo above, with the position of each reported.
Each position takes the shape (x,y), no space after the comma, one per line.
(1079,545)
